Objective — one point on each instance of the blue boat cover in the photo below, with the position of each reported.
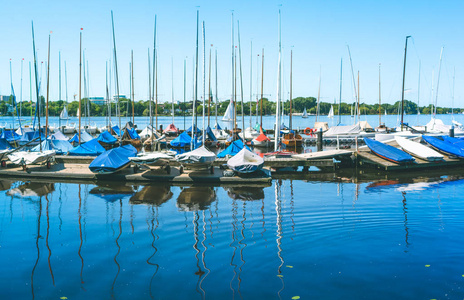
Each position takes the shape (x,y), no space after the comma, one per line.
(107,138)
(189,131)
(10,135)
(233,149)
(58,135)
(210,135)
(217,126)
(60,146)
(4,145)
(116,130)
(112,160)
(91,148)
(85,136)
(454,141)
(74,139)
(444,146)
(388,152)
(183,140)
(132,133)
(30,135)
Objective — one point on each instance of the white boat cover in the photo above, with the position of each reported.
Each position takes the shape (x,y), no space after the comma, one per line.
(29,158)
(319,125)
(220,134)
(245,161)
(146,132)
(58,135)
(364,125)
(343,130)
(418,150)
(150,157)
(85,136)
(250,133)
(198,156)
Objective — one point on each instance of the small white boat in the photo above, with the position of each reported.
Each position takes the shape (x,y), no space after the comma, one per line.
(69,128)
(418,150)
(262,141)
(91,128)
(25,158)
(245,161)
(305,114)
(200,158)
(250,133)
(153,159)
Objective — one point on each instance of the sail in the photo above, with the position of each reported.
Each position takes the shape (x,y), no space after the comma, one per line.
(331,112)
(229,115)
(305,114)
(64,114)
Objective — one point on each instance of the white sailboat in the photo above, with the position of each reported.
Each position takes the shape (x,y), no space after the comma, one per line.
(305,114)
(331,112)
(64,114)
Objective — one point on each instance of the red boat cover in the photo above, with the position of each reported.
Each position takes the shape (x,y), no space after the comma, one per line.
(171,128)
(262,137)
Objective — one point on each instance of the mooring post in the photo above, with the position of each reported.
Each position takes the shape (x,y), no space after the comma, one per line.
(451,131)
(319,140)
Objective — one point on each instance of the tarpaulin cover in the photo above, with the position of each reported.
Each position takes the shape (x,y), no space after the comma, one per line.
(60,146)
(388,152)
(10,135)
(443,146)
(112,160)
(189,131)
(30,135)
(107,138)
(262,137)
(210,135)
(454,141)
(343,130)
(85,137)
(116,129)
(183,140)
(245,161)
(170,129)
(200,155)
(4,145)
(58,135)
(130,134)
(234,148)
(91,148)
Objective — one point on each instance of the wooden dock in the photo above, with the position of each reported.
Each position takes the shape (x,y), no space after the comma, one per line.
(74,171)
(367,159)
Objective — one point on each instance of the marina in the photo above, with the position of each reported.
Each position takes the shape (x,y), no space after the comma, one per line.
(200,152)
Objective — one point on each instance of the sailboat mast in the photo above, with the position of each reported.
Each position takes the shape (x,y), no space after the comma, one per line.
(30,87)
(251,81)
(66,82)
(404,77)
(291,88)
(241,80)
(172,88)
(21,91)
(380,101)
(150,97)
(133,93)
(209,87)
(216,84)
(262,86)
(116,73)
(358,108)
(194,119)
(154,93)
(107,97)
(340,98)
(438,80)
(36,86)
(185,88)
(318,92)
(48,88)
(80,76)
(232,68)
(279,70)
(452,102)
(418,90)
(59,82)
(204,82)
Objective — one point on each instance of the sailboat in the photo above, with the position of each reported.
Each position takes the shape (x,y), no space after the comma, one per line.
(64,114)
(305,114)
(292,139)
(200,158)
(331,112)
(25,158)
(172,130)
(245,161)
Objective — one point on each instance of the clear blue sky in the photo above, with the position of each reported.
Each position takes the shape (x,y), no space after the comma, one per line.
(318,32)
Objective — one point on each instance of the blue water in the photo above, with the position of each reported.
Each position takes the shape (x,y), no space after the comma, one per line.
(344,239)
(268,121)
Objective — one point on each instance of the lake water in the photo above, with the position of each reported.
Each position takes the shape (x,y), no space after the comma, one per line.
(341,238)
(268,121)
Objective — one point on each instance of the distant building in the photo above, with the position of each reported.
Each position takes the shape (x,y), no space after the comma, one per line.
(121,97)
(97,100)
(4,98)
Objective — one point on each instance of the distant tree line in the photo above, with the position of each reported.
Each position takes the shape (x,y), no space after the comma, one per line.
(142,107)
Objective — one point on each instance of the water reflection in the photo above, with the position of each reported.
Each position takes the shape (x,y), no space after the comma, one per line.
(152,195)
(245,193)
(111,191)
(412,184)
(196,198)
(5,184)
(31,189)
